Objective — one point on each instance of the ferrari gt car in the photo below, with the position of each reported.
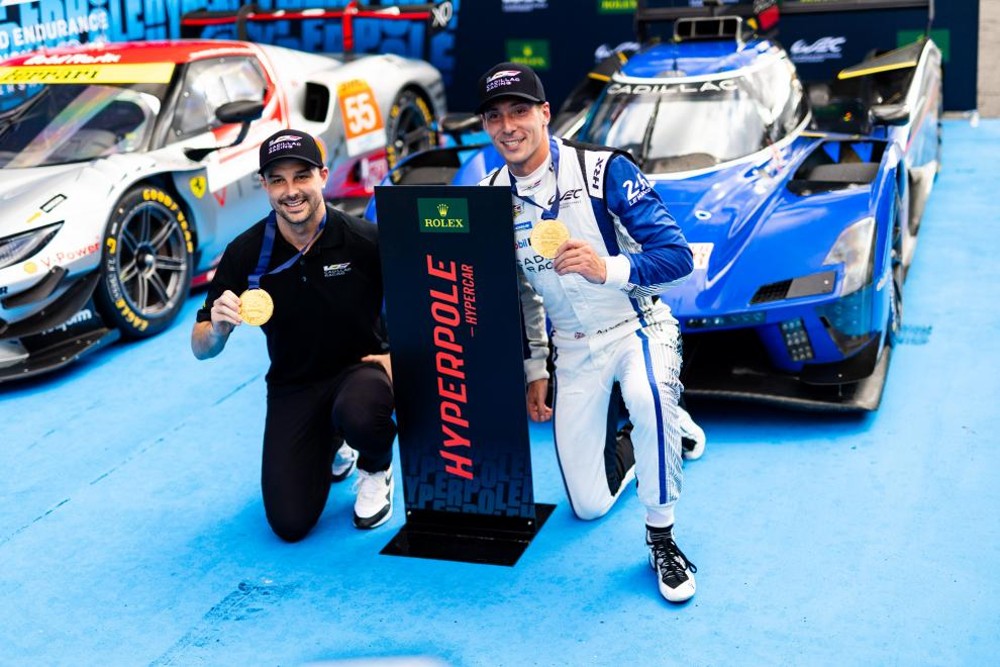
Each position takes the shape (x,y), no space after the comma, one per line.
(801,205)
(125,169)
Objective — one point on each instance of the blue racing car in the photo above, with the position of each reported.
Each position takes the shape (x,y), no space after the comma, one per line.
(801,204)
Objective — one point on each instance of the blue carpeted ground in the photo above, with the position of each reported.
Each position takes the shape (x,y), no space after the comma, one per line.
(132,532)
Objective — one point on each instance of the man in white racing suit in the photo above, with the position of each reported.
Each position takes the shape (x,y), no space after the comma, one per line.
(597,271)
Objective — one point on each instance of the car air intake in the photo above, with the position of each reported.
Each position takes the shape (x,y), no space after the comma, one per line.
(811,285)
(722,27)
(772,292)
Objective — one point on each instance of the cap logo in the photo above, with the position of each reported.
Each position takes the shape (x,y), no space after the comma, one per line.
(502,74)
(504,78)
(284,142)
(509,79)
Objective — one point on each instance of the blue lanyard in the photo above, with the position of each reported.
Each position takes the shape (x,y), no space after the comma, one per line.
(270,228)
(547,214)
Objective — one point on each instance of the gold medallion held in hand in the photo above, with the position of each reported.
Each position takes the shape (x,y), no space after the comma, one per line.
(547,236)
(256,307)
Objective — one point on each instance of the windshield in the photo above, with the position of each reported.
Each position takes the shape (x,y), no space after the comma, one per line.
(682,126)
(59,124)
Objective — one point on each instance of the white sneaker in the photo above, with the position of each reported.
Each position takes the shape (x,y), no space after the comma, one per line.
(344,463)
(692,436)
(373,506)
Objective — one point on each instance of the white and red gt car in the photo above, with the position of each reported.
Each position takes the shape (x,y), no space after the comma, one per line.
(125,169)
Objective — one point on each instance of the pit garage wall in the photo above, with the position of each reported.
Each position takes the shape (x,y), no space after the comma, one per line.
(561,38)
(27,25)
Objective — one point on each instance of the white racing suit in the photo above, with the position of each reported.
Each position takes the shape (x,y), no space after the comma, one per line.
(603,334)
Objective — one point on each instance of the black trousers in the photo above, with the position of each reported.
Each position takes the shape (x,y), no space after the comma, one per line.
(305,426)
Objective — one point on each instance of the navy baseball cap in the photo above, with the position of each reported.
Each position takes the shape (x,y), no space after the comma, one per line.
(290,145)
(509,80)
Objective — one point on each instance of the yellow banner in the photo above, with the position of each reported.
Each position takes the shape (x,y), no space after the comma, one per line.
(54,74)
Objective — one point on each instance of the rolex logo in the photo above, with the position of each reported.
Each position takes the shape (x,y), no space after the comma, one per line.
(443,215)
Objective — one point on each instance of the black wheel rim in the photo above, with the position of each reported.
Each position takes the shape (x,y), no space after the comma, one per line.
(152,259)
(413,130)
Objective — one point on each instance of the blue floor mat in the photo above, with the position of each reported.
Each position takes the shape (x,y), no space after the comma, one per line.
(132,530)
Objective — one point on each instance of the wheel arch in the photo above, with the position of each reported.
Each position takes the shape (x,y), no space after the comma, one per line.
(167,181)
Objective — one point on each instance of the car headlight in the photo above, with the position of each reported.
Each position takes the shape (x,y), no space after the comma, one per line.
(14,249)
(853,249)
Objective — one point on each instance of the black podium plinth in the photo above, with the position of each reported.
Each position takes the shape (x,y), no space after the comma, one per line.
(454,322)
(440,536)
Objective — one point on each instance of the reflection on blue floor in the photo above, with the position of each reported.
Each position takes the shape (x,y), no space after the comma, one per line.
(132,531)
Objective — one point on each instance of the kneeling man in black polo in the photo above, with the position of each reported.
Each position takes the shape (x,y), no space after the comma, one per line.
(309,275)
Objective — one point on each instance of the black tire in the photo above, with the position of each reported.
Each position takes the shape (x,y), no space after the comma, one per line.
(895,324)
(940,133)
(146,264)
(411,127)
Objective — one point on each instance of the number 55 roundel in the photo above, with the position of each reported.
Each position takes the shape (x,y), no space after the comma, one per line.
(363,126)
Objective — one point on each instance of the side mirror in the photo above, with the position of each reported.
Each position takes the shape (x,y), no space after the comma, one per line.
(240,111)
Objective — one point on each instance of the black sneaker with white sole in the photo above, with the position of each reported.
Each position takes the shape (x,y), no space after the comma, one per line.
(373,506)
(674,572)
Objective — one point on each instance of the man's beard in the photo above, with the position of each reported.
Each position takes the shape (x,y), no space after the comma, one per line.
(301,218)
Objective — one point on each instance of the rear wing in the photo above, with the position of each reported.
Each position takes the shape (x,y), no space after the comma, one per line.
(761,15)
(902,58)
(435,15)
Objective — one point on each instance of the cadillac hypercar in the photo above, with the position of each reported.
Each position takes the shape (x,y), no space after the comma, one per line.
(801,203)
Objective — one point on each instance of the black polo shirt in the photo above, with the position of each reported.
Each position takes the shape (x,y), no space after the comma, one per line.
(327,305)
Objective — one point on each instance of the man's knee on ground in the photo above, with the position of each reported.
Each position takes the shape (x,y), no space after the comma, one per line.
(290,529)
(588,511)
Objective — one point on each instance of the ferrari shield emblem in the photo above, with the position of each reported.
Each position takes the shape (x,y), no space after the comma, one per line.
(198,186)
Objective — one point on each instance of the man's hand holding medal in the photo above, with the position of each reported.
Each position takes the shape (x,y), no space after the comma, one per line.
(254,307)
(226,313)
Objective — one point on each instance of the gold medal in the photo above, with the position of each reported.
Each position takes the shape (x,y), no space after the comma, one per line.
(547,236)
(256,307)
